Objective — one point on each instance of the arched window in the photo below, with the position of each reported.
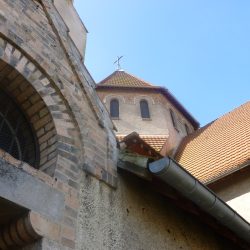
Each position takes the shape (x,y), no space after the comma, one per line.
(174,120)
(187,129)
(144,109)
(114,108)
(16,136)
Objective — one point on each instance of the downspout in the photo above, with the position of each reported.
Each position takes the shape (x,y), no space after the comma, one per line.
(177,177)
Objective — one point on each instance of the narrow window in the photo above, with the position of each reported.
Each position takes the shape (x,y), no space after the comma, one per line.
(187,129)
(144,109)
(173,118)
(114,108)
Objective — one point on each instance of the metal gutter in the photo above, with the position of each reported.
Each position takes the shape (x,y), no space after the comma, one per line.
(177,177)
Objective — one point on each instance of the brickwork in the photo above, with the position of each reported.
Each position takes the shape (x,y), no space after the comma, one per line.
(41,39)
(39,101)
(32,105)
(42,71)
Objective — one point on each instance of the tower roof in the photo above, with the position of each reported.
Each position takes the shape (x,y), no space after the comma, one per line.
(122,79)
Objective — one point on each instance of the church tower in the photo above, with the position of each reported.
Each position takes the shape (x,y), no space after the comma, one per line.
(151,111)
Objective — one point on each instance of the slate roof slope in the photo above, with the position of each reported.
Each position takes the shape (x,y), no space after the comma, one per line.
(154,141)
(218,149)
(122,79)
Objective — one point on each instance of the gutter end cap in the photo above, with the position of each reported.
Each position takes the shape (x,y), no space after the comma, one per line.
(160,166)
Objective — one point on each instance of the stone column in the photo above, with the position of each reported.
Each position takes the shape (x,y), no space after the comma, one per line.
(18,233)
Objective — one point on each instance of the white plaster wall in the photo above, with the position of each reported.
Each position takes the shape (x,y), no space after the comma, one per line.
(241,204)
(235,191)
(133,217)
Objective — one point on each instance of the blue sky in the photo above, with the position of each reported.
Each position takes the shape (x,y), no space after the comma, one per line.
(198,49)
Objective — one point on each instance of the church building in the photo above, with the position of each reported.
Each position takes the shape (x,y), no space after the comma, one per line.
(66,182)
(151,111)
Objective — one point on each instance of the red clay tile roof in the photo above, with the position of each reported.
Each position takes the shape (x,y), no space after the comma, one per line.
(154,141)
(218,149)
(122,79)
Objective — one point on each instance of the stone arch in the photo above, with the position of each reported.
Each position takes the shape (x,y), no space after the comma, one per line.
(109,97)
(57,135)
(144,108)
(114,108)
(149,99)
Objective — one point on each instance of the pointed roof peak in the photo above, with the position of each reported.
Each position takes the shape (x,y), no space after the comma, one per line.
(120,78)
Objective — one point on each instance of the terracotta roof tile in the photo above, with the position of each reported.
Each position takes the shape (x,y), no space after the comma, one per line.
(155,141)
(122,79)
(219,148)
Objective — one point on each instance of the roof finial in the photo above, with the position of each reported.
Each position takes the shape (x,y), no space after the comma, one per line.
(118,62)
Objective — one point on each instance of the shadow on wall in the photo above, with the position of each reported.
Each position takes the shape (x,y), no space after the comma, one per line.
(234,185)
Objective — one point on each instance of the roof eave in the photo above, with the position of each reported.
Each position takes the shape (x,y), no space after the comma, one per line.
(213,181)
(181,180)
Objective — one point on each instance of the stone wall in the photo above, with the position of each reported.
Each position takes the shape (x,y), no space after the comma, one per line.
(42,71)
(53,206)
(36,43)
(160,122)
(77,30)
(133,216)
(130,117)
(36,112)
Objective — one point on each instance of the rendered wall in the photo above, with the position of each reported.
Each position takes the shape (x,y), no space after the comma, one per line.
(130,117)
(135,217)
(235,191)
(160,122)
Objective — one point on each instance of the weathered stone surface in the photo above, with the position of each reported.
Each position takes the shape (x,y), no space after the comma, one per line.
(23,189)
(49,60)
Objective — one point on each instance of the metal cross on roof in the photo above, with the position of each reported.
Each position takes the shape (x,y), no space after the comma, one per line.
(118,62)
